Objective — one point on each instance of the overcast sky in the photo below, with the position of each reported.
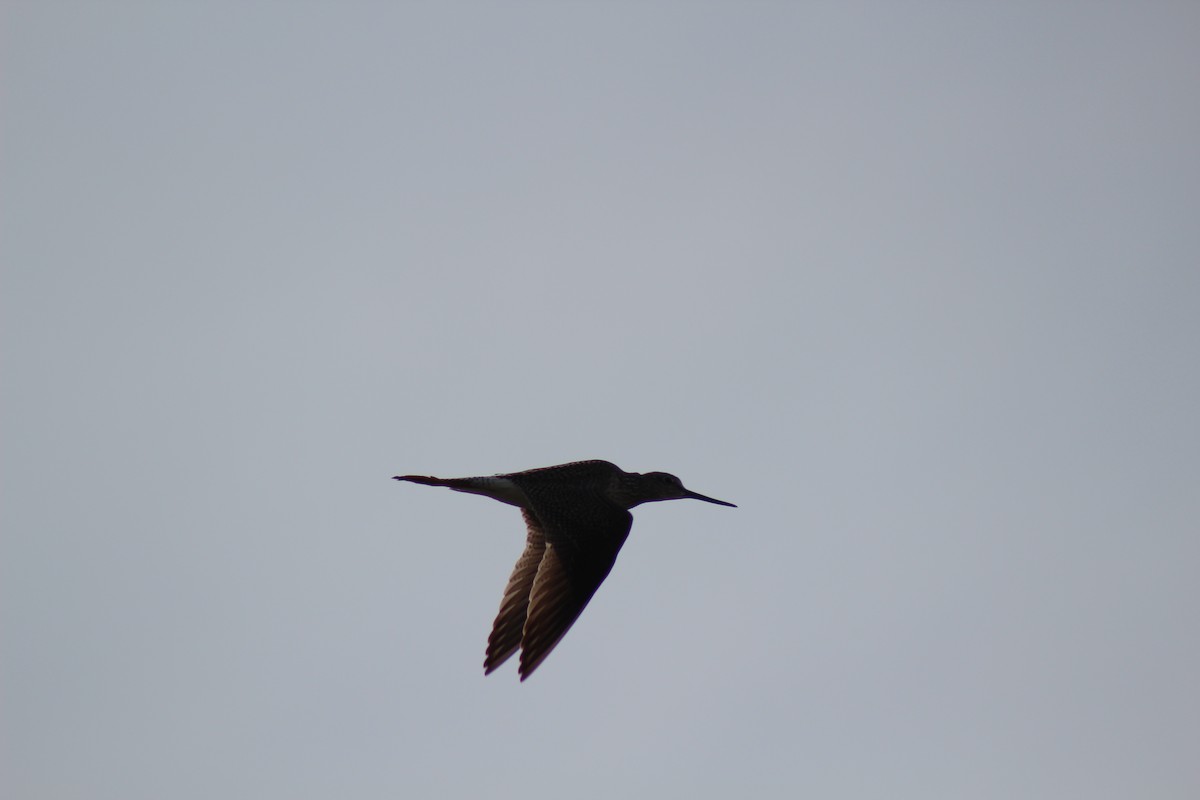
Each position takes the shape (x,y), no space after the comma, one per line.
(916,285)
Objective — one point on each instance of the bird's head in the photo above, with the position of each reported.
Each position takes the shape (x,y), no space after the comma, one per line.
(665,486)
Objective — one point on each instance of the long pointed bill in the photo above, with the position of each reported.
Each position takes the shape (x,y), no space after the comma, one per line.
(698,496)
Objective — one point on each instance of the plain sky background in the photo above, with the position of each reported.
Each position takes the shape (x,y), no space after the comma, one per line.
(916,285)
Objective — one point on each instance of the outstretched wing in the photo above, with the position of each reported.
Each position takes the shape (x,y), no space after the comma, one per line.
(510,622)
(583,534)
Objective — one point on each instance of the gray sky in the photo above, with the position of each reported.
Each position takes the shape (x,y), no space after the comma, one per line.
(917,286)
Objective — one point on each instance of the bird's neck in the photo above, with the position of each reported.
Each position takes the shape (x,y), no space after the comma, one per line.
(627,490)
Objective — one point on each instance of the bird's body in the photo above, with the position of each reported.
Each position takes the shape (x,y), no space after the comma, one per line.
(577,516)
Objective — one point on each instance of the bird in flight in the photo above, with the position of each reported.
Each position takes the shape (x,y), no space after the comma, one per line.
(577,517)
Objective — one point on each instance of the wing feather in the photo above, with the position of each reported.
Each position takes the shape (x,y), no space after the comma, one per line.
(505,638)
(578,557)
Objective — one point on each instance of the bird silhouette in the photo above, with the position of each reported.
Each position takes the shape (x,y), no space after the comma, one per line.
(577,518)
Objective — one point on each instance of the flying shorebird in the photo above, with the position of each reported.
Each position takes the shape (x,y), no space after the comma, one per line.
(577,517)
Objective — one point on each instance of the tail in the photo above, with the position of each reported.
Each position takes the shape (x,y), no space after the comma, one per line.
(496,487)
(427,480)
